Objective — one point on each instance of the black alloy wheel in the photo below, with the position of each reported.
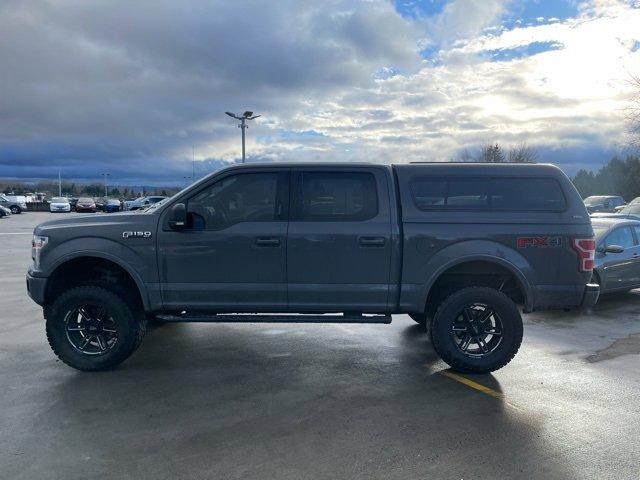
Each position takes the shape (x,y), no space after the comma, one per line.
(91,330)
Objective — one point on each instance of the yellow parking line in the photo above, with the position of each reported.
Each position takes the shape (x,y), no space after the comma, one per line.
(472,384)
(476,386)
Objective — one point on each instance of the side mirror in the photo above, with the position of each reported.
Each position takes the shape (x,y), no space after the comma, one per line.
(613,249)
(178,216)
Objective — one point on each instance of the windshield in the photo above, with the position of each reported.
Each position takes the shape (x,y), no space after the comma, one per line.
(593,200)
(153,206)
(59,200)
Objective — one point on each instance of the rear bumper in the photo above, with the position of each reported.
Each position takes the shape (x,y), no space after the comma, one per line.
(36,287)
(563,297)
(591,294)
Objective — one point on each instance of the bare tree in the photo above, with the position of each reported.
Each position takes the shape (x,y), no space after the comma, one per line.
(633,114)
(523,153)
(491,153)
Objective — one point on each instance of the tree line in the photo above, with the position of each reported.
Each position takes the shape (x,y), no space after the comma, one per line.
(618,177)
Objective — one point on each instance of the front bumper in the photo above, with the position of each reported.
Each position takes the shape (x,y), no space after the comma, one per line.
(590,296)
(36,287)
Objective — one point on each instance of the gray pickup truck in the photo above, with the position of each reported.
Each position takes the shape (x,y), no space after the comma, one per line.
(456,246)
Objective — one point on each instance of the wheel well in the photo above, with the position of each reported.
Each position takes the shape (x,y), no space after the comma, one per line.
(476,273)
(93,271)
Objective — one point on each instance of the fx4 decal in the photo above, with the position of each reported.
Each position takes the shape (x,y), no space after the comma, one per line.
(136,234)
(525,242)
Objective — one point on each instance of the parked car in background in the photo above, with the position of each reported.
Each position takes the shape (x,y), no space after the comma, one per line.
(635,201)
(112,205)
(603,203)
(630,211)
(144,202)
(4,212)
(13,203)
(59,204)
(617,260)
(73,201)
(100,203)
(85,204)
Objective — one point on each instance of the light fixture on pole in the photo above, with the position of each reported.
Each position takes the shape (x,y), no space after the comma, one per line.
(243,125)
(105,175)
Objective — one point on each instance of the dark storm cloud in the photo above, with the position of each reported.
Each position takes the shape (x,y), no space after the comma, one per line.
(88,84)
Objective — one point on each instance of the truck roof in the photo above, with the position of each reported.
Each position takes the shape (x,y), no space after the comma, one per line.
(502,168)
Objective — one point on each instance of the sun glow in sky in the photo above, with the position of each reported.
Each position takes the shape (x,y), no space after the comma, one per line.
(88,86)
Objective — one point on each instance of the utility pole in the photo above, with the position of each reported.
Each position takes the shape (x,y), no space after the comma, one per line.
(105,175)
(59,184)
(193,162)
(243,125)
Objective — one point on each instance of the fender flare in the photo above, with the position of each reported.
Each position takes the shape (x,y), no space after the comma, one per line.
(520,277)
(112,258)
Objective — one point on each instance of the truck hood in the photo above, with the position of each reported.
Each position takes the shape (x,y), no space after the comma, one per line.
(95,225)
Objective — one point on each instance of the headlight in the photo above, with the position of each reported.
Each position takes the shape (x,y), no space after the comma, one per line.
(37,244)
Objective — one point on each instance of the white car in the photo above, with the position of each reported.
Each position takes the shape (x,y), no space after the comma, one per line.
(143,202)
(59,204)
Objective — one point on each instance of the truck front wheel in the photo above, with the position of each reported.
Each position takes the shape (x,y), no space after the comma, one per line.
(92,328)
(477,330)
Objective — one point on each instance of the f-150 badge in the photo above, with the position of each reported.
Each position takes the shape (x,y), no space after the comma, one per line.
(136,234)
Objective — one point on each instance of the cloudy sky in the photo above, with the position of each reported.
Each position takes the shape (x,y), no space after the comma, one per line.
(131,87)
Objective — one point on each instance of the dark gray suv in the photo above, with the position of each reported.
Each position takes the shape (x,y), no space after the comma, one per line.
(456,246)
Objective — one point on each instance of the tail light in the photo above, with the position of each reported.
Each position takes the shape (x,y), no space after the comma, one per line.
(586,248)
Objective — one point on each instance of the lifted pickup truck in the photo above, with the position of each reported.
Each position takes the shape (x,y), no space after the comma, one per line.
(455,246)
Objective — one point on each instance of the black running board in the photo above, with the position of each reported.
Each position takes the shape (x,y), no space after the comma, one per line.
(275,318)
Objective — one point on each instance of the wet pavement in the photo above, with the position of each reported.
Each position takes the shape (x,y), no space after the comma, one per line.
(317,401)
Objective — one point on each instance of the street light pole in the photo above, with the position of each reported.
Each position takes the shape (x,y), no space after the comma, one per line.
(243,125)
(105,175)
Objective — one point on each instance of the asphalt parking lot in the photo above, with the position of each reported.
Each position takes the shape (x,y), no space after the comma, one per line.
(317,401)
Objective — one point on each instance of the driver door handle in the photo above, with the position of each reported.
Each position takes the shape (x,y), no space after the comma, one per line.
(372,241)
(268,242)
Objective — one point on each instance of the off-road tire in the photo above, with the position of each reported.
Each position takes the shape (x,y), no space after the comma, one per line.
(443,341)
(130,325)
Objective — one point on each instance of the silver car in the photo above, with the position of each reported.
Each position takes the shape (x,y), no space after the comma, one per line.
(617,259)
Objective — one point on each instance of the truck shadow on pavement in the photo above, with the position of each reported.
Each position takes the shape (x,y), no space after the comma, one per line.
(263,402)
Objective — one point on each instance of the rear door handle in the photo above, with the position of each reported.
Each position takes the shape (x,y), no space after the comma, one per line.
(267,242)
(372,241)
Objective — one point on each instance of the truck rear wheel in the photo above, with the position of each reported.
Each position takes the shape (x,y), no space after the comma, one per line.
(477,330)
(92,328)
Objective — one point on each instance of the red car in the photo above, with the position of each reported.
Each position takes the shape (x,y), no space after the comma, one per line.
(86,205)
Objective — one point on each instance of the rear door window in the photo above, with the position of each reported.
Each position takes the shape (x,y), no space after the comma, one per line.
(336,196)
